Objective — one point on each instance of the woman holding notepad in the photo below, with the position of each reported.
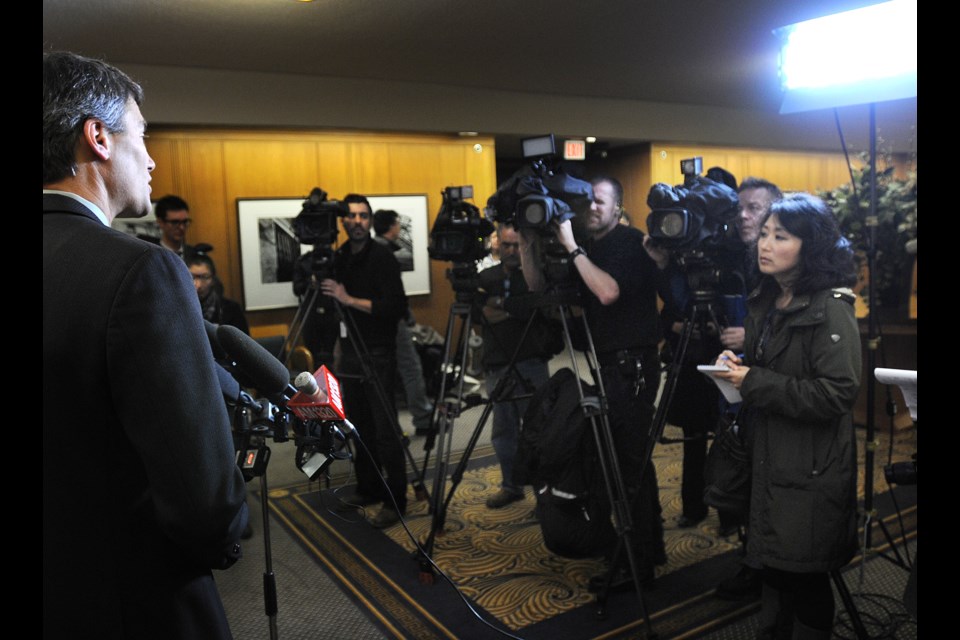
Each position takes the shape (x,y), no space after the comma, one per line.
(799,376)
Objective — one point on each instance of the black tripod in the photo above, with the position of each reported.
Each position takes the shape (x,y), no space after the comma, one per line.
(308,307)
(253,455)
(595,410)
(448,410)
(322,269)
(369,376)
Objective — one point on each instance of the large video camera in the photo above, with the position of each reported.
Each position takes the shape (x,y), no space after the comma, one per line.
(538,195)
(694,215)
(316,224)
(541,192)
(694,222)
(460,231)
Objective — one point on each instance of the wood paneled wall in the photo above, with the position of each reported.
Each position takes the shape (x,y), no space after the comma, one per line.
(212,168)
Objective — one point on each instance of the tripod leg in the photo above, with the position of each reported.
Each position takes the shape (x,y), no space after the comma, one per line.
(446,413)
(298,323)
(381,396)
(596,410)
(848,604)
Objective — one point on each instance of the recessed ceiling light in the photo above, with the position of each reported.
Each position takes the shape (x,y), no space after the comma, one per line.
(591,139)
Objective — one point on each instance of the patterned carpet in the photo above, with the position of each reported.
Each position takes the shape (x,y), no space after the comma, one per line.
(505,575)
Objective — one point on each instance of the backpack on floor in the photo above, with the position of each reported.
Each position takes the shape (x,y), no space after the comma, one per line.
(557,455)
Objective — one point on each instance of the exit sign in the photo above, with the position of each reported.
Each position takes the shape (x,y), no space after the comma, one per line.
(574,150)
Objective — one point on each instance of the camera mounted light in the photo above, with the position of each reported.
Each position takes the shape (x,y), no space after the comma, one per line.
(691,166)
(539,147)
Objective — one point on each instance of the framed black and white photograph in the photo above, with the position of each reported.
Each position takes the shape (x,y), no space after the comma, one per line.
(268,251)
(269,247)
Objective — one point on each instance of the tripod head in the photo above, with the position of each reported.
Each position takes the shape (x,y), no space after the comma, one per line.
(465,281)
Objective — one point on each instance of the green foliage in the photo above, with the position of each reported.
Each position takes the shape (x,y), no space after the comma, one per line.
(897,226)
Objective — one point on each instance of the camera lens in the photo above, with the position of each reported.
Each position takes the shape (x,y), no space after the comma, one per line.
(534,214)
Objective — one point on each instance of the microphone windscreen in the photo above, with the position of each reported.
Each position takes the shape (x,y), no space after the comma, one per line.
(268,374)
(228,384)
(218,352)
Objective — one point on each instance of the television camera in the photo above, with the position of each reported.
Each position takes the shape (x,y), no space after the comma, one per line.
(459,235)
(538,195)
(316,225)
(693,221)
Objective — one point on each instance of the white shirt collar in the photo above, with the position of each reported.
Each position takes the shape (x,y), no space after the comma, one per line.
(89,205)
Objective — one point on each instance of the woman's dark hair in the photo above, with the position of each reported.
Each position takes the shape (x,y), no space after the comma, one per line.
(201,258)
(826,259)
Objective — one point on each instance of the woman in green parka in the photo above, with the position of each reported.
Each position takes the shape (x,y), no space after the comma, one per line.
(799,376)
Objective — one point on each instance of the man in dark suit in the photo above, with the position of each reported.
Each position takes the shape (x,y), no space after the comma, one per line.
(141,493)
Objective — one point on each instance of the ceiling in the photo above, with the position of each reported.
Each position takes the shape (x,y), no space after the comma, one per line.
(687,52)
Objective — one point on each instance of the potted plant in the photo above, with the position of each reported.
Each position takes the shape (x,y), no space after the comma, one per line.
(896,233)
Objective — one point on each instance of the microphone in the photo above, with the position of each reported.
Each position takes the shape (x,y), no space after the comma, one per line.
(318,396)
(218,353)
(229,386)
(269,375)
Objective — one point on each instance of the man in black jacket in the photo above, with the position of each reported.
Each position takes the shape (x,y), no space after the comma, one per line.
(370,292)
(503,327)
(619,292)
(141,493)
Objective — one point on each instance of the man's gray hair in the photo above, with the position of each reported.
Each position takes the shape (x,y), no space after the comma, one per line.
(76,89)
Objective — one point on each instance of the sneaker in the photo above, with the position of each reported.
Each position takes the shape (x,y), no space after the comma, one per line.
(386,517)
(745,585)
(502,498)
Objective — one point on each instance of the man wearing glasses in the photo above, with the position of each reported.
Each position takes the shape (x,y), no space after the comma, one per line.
(173,218)
(370,293)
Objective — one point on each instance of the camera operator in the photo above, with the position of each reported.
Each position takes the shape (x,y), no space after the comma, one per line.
(695,405)
(367,285)
(503,283)
(619,293)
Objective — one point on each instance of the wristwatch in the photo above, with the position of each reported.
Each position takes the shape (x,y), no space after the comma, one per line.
(577,252)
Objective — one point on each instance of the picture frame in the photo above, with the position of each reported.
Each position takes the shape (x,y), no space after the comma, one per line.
(144,228)
(269,247)
(268,251)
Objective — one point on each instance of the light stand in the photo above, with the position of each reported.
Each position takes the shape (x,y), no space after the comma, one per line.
(811,77)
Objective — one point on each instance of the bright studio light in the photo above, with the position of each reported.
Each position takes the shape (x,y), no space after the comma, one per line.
(865,55)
